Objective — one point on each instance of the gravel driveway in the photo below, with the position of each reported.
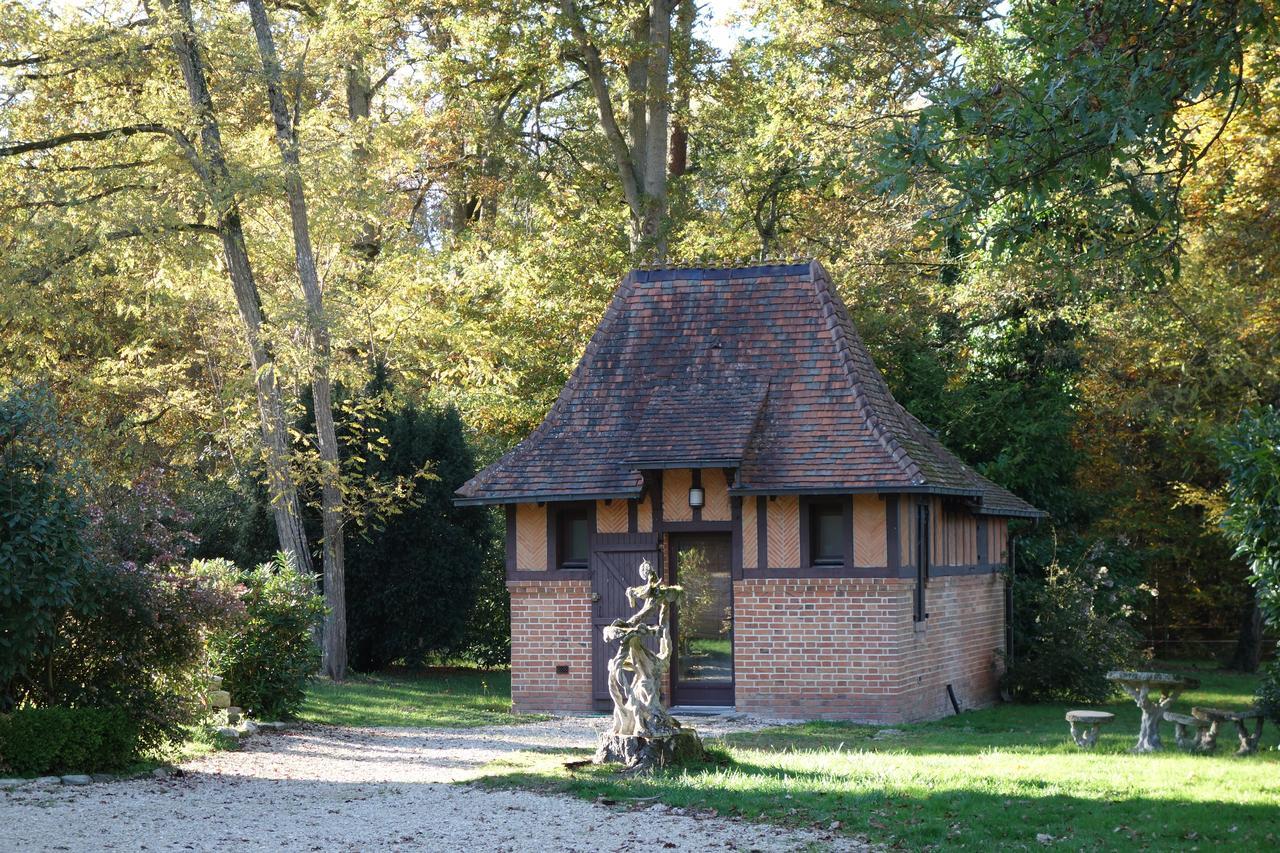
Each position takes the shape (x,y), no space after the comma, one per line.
(323,788)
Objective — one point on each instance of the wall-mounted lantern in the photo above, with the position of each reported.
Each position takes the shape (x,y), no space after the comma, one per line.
(696,497)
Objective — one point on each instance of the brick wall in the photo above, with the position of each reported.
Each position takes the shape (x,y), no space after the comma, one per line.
(957,647)
(842,648)
(550,627)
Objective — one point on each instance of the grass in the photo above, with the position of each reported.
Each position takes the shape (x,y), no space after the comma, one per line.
(992,778)
(455,698)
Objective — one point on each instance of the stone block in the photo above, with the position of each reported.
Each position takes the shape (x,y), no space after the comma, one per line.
(219,699)
(76,779)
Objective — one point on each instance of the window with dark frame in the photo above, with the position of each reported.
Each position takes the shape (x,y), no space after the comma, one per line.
(573,528)
(826,534)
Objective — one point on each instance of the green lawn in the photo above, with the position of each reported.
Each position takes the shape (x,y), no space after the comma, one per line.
(998,777)
(452,699)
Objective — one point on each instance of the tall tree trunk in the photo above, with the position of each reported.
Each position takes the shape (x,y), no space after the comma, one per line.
(359,101)
(217,183)
(654,224)
(1248,652)
(625,158)
(682,67)
(331,510)
(638,90)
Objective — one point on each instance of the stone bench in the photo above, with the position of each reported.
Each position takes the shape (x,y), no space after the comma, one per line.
(1085,726)
(1215,717)
(1182,726)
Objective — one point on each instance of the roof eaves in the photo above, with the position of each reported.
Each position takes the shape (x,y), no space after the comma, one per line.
(546,497)
(907,489)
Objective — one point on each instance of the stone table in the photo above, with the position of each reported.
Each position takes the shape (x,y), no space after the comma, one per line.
(1142,687)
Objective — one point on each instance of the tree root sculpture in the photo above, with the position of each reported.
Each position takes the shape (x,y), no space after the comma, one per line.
(644,736)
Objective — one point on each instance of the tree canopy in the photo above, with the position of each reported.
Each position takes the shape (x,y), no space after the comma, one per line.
(1054,224)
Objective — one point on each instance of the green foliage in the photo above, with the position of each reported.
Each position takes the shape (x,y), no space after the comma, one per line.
(134,640)
(35,741)
(1069,629)
(92,628)
(1067,127)
(487,642)
(412,579)
(1251,456)
(44,557)
(232,521)
(266,657)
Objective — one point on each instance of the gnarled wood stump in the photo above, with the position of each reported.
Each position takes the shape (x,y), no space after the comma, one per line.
(644,736)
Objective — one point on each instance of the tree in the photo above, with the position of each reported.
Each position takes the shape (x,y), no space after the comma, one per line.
(641,154)
(1069,128)
(1251,457)
(413,577)
(334,659)
(209,163)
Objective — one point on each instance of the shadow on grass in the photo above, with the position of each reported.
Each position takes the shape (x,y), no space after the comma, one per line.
(1007,777)
(898,806)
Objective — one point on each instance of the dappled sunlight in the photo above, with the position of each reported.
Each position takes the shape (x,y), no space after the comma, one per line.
(1000,776)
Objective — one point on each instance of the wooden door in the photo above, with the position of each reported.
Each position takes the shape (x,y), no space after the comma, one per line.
(615,565)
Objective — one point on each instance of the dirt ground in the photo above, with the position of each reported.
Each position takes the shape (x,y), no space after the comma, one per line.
(323,788)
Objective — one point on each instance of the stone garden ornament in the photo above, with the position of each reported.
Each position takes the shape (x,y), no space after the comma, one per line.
(644,736)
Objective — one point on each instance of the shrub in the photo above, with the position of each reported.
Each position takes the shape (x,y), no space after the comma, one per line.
(44,556)
(141,522)
(1069,630)
(266,658)
(87,598)
(135,641)
(61,740)
(1251,456)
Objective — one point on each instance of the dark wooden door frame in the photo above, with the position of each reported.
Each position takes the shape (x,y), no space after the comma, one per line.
(685,694)
(606,586)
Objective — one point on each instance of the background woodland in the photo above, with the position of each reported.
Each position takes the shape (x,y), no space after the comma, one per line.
(300,267)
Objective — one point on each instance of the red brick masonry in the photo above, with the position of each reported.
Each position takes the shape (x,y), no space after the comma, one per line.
(550,627)
(838,648)
(844,648)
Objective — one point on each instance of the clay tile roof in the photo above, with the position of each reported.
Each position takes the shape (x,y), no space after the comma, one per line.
(755,368)
(705,424)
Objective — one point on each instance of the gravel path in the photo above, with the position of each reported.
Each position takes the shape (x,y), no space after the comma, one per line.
(322,788)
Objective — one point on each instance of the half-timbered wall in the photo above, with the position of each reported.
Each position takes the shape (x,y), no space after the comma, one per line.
(530,537)
(825,641)
(611,516)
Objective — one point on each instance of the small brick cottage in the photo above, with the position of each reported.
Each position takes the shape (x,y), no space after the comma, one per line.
(729,426)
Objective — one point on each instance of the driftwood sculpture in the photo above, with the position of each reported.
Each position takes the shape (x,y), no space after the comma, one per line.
(644,736)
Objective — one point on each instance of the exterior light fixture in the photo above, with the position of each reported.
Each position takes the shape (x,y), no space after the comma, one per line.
(696,497)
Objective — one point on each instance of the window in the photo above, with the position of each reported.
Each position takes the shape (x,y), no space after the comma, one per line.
(826,533)
(573,526)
